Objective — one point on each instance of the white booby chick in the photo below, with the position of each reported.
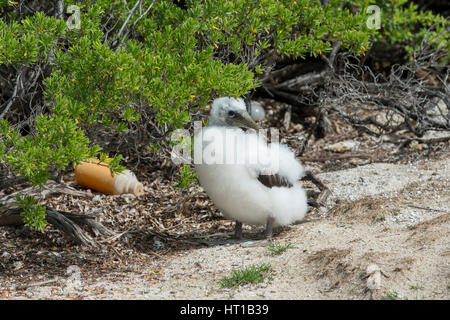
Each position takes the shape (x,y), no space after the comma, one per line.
(248,180)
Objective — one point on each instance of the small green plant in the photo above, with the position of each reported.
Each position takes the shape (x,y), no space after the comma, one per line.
(378,218)
(153,148)
(251,274)
(391,295)
(187,177)
(277,248)
(395,212)
(32,213)
(416,287)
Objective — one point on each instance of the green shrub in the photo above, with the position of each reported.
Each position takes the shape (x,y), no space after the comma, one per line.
(402,23)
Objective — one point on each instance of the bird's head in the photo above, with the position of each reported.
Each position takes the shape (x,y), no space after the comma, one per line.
(231,112)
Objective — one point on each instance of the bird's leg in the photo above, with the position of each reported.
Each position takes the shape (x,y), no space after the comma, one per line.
(269,228)
(238,230)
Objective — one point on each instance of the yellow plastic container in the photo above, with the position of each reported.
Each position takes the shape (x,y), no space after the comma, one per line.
(97,176)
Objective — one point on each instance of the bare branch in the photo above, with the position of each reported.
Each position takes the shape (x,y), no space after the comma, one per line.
(13,97)
(134,23)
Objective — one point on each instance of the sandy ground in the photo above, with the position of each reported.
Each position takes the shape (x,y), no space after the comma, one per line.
(393,215)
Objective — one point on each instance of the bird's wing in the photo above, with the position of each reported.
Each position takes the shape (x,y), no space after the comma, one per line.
(283,169)
(274,180)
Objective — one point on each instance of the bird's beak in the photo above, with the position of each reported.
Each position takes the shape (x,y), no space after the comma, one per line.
(244,120)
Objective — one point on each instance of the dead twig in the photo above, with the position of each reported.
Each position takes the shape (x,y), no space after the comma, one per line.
(427,208)
(338,157)
(404,143)
(68,223)
(47,190)
(35,284)
(324,191)
(13,97)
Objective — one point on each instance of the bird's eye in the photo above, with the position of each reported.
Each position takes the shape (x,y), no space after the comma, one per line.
(231,113)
